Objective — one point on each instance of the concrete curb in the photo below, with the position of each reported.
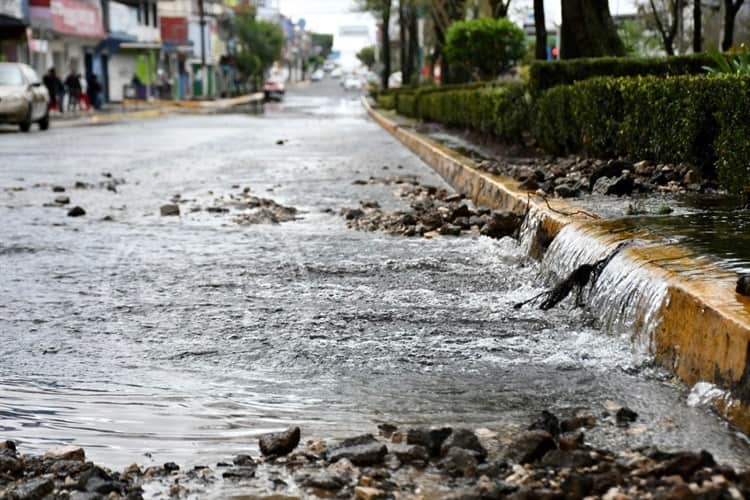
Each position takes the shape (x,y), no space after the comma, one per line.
(202,105)
(704,331)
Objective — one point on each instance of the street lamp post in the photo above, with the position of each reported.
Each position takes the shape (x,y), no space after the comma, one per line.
(202,22)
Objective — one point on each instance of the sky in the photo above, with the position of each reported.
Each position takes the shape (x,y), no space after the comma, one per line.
(328,16)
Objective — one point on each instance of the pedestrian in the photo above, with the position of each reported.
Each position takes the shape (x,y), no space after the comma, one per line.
(55,89)
(73,85)
(95,91)
(84,100)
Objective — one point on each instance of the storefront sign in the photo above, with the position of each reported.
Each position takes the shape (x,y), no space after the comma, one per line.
(174,30)
(72,17)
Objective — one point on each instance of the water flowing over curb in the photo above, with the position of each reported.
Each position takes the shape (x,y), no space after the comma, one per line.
(679,310)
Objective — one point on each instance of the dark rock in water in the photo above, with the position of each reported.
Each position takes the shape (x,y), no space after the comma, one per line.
(466,440)
(280,142)
(625,416)
(322,480)
(571,440)
(462,222)
(432,221)
(572,459)
(387,430)
(35,489)
(216,210)
(171,467)
(686,464)
(530,184)
(243,460)
(601,483)
(566,191)
(360,450)
(547,422)
(575,423)
(411,454)
(530,446)
(58,189)
(76,212)
(10,465)
(460,462)
(369,204)
(619,186)
(461,211)
(279,443)
(495,468)
(238,473)
(501,224)
(743,285)
(577,485)
(612,168)
(431,439)
(408,219)
(169,210)
(353,213)
(450,230)
(96,480)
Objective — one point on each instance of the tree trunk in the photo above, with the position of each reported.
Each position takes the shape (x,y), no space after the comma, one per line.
(697,27)
(588,30)
(386,18)
(499,8)
(412,55)
(403,41)
(540,27)
(730,13)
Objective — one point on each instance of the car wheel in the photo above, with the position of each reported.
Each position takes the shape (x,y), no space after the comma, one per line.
(25,125)
(44,122)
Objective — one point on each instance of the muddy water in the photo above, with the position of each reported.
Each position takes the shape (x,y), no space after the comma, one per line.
(147,339)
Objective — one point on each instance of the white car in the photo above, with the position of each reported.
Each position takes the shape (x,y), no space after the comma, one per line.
(395,80)
(328,66)
(336,73)
(23,98)
(317,75)
(352,83)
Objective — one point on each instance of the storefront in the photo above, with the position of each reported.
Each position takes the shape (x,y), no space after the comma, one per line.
(176,51)
(14,18)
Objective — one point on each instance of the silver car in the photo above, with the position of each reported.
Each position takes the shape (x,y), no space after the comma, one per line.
(23,98)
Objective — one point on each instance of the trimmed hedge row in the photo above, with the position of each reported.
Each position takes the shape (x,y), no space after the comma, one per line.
(545,75)
(702,120)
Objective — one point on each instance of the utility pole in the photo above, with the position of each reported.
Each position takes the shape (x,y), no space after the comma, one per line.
(204,79)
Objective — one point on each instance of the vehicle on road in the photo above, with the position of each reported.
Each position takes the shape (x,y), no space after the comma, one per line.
(274,90)
(317,75)
(329,66)
(395,80)
(352,83)
(337,73)
(23,98)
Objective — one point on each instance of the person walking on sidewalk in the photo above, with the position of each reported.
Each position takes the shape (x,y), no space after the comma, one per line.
(73,85)
(55,88)
(95,91)
(84,102)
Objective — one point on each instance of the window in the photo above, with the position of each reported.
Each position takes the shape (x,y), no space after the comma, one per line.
(10,74)
(30,74)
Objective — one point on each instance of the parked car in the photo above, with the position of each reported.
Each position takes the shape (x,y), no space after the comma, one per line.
(352,83)
(274,90)
(23,98)
(336,73)
(395,79)
(317,75)
(329,66)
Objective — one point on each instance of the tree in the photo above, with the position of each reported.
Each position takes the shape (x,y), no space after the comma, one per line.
(367,56)
(381,9)
(408,17)
(588,30)
(540,29)
(443,14)
(697,27)
(731,7)
(259,45)
(484,47)
(499,8)
(324,41)
(667,21)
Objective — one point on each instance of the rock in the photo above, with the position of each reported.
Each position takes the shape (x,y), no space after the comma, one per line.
(353,213)
(466,440)
(170,210)
(460,462)
(432,220)
(570,440)
(644,168)
(277,444)
(369,204)
(530,446)
(34,489)
(215,210)
(619,186)
(575,423)
(280,142)
(461,211)
(743,285)
(242,460)
(566,191)
(62,200)
(546,422)
(573,459)
(530,184)
(625,416)
(76,212)
(58,189)
(450,230)
(360,450)
(431,439)
(686,464)
(368,493)
(66,453)
(501,224)
(323,480)
(96,480)
(10,465)
(612,169)
(171,467)
(411,454)
(239,473)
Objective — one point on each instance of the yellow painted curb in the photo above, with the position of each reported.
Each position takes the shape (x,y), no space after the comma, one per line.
(197,105)
(704,330)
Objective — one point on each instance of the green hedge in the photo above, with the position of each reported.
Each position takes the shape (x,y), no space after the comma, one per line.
(732,144)
(545,75)
(386,101)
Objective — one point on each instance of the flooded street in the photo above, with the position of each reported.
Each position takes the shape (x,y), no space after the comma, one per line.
(149,339)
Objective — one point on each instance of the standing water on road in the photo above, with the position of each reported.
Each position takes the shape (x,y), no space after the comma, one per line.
(150,339)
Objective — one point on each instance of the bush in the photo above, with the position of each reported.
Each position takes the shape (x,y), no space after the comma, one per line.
(545,75)
(732,146)
(386,101)
(485,47)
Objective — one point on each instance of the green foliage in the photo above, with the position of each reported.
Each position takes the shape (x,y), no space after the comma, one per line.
(732,145)
(324,41)
(545,75)
(386,101)
(260,44)
(637,38)
(367,56)
(737,63)
(484,47)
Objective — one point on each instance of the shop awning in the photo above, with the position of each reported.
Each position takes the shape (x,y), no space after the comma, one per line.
(11,27)
(140,45)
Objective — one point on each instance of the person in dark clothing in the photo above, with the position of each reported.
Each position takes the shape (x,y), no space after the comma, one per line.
(55,89)
(95,91)
(73,85)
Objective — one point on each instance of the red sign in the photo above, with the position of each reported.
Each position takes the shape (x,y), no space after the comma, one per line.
(174,30)
(72,17)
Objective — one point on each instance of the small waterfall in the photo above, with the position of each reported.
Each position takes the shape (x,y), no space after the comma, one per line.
(626,299)
(531,234)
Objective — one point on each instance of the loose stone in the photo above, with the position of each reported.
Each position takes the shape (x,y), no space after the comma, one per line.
(170,210)
(76,212)
(279,443)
